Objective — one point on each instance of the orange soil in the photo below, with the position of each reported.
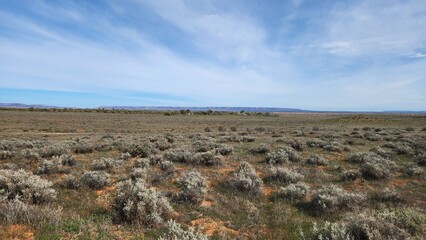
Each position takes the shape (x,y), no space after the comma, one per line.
(17,231)
(209,226)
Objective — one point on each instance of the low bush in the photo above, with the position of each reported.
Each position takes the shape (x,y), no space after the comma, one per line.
(332,199)
(293,191)
(27,187)
(350,175)
(178,155)
(95,179)
(103,164)
(18,212)
(174,231)
(5,154)
(206,159)
(261,149)
(224,150)
(245,179)
(283,156)
(193,187)
(284,175)
(387,195)
(316,160)
(135,203)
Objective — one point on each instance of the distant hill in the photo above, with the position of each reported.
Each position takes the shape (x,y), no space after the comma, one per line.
(20,105)
(224,109)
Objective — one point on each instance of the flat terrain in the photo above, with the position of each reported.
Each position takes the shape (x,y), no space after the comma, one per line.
(256,176)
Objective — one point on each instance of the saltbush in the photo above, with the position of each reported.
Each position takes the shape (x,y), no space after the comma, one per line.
(135,203)
(245,179)
(27,187)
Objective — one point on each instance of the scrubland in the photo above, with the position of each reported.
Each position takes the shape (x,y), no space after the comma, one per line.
(91,175)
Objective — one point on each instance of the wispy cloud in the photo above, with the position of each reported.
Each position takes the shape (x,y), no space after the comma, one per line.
(353,55)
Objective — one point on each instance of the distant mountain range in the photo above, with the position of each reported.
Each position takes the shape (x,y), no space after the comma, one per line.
(225,109)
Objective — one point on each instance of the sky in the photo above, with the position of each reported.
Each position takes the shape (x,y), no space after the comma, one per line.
(364,55)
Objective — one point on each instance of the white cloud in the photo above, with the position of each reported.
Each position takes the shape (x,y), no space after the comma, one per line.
(371,28)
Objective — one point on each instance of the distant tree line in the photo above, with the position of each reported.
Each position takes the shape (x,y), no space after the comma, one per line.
(124,111)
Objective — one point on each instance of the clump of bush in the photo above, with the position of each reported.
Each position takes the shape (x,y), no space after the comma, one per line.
(138,173)
(363,157)
(293,191)
(261,149)
(142,163)
(421,160)
(350,175)
(193,187)
(224,150)
(316,160)
(95,179)
(53,150)
(387,196)
(137,150)
(206,158)
(331,199)
(27,187)
(168,167)
(51,166)
(284,175)
(67,160)
(125,156)
(245,179)
(135,203)
(203,145)
(377,169)
(297,144)
(103,164)
(315,142)
(282,156)
(82,148)
(178,155)
(18,212)
(71,181)
(398,223)
(175,231)
(413,170)
(30,154)
(5,154)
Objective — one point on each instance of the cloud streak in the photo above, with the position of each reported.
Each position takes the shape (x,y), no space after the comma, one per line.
(354,56)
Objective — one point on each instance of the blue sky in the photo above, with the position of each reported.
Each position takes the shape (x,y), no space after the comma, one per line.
(319,55)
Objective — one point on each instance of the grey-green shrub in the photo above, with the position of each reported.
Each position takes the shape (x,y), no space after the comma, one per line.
(377,169)
(261,149)
(245,179)
(174,231)
(284,175)
(5,154)
(95,179)
(27,187)
(293,191)
(206,158)
(18,212)
(193,187)
(282,156)
(135,203)
(350,175)
(224,150)
(178,155)
(331,199)
(30,154)
(142,163)
(103,164)
(316,160)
